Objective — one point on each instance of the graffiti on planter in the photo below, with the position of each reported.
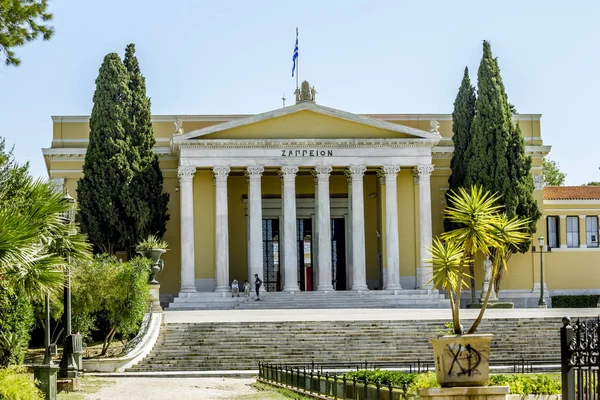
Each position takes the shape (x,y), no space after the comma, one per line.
(465,360)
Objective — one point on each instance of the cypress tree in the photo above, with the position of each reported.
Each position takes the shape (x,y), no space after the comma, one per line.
(496,154)
(487,164)
(106,170)
(462,118)
(146,201)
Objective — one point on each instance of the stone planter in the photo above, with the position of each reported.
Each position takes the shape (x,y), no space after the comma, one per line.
(462,360)
(157,263)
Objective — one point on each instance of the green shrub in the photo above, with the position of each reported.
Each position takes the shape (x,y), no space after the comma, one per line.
(576,301)
(521,384)
(16,321)
(396,378)
(525,384)
(16,384)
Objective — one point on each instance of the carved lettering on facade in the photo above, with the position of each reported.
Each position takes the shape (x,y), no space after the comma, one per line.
(306,153)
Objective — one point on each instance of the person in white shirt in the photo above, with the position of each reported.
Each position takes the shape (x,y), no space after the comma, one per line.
(247,288)
(235,289)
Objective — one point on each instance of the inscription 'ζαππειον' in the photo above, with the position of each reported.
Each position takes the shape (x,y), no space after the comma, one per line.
(306,153)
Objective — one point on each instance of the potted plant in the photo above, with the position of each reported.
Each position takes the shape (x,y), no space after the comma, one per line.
(153,248)
(463,359)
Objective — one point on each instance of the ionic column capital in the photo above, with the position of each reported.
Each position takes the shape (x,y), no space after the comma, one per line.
(254,172)
(322,171)
(421,172)
(355,172)
(288,172)
(221,173)
(388,172)
(186,174)
(424,171)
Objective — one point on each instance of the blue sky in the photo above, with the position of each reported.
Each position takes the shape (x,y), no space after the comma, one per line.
(205,57)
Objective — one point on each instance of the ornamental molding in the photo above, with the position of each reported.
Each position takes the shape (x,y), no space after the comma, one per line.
(538,182)
(221,173)
(302,143)
(288,172)
(185,173)
(59,184)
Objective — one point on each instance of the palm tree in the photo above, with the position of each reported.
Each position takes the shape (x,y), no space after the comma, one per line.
(34,239)
(482,229)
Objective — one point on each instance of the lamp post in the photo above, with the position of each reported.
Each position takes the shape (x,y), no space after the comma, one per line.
(542,301)
(68,367)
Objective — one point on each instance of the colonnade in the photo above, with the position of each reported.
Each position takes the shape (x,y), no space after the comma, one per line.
(356,263)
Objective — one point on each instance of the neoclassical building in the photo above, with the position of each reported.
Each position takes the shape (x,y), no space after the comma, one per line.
(312,198)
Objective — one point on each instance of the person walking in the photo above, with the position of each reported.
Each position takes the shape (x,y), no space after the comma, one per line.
(246,288)
(257,284)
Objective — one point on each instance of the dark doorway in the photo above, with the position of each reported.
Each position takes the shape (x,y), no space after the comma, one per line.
(338,253)
(271,275)
(305,256)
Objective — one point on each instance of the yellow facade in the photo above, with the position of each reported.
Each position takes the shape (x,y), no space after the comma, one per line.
(567,270)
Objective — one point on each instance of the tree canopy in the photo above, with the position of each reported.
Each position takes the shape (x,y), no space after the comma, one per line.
(552,173)
(22,21)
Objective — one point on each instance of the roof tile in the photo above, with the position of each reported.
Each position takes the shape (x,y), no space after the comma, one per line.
(572,193)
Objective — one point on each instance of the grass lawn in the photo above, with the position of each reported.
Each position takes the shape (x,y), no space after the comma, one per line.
(268,392)
(88,384)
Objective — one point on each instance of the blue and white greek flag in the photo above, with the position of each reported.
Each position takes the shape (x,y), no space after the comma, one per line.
(295,57)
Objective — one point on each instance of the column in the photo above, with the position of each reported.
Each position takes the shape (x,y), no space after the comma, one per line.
(186,195)
(582,233)
(322,173)
(392,243)
(562,229)
(290,242)
(255,245)
(222,224)
(425,270)
(359,268)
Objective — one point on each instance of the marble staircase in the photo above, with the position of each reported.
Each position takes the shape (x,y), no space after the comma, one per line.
(240,346)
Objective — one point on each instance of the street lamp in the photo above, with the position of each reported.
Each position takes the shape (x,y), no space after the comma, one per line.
(542,301)
(68,367)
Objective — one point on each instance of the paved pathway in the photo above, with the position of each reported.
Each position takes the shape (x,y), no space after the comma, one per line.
(365,314)
(172,388)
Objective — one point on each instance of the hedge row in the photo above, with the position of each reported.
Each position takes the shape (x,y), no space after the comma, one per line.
(578,301)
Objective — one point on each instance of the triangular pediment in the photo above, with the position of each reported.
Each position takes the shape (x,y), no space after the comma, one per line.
(307,120)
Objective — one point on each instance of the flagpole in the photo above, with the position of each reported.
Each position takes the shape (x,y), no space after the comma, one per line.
(297,62)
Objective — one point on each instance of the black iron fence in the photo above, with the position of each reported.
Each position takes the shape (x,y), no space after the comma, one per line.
(580,359)
(334,385)
(330,379)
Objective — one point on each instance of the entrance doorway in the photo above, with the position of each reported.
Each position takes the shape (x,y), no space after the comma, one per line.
(271,275)
(271,254)
(305,254)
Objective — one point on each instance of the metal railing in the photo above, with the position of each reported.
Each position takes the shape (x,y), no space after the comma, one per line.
(580,359)
(330,379)
(140,336)
(334,385)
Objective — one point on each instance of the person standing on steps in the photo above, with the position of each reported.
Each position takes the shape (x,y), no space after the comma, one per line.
(246,288)
(257,283)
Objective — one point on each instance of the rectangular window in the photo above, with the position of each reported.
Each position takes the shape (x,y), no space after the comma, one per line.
(552,224)
(591,231)
(572,231)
